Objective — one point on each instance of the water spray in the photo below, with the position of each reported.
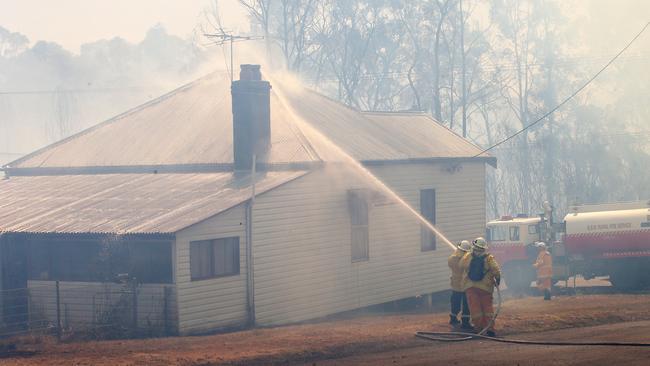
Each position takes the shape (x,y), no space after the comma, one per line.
(304,126)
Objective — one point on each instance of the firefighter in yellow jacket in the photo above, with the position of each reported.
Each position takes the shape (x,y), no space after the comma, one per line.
(544,265)
(481,273)
(458,298)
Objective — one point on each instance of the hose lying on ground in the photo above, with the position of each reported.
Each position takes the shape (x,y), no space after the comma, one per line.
(462,336)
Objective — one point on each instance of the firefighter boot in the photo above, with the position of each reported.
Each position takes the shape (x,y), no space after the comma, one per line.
(547,294)
(466,325)
(453,320)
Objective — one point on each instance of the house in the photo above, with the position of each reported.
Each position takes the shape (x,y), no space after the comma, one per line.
(241,205)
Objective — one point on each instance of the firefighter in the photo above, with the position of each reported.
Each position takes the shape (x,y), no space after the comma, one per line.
(544,266)
(458,298)
(480,274)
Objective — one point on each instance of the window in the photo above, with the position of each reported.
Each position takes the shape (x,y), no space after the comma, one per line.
(214,258)
(532,229)
(498,233)
(514,233)
(428,211)
(358,207)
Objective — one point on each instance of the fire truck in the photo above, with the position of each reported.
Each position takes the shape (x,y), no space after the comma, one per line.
(592,240)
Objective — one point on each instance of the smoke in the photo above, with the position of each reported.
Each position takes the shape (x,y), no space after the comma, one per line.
(48,93)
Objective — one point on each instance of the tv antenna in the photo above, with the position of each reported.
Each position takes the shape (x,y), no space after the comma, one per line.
(222,37)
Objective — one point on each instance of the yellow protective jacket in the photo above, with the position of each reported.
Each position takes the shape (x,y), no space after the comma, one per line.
(456,272)
(491,268)
(544,265)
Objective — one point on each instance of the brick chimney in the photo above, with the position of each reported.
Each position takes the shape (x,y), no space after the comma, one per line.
(251,117)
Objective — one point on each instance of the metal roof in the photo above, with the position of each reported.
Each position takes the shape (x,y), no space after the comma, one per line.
(124,203)
(420,136)
(193,125)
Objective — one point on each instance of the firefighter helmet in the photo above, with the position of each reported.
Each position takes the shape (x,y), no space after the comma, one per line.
(479,243)
(465,246)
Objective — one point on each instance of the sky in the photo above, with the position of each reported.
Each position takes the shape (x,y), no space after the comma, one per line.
(74,22)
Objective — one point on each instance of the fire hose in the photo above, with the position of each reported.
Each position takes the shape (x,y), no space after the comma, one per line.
(463,336)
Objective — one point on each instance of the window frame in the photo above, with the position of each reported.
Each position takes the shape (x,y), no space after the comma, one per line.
(503,230)
(207,250)
(359,211)
(428,240)
(512,230)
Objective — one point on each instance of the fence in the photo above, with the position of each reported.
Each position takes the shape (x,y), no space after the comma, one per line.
(88,310)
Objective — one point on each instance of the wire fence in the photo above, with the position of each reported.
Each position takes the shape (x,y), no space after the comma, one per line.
(88,310)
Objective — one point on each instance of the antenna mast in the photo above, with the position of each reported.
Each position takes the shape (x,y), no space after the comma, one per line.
(222,37)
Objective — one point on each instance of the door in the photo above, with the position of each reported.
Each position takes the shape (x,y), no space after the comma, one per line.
(13,265)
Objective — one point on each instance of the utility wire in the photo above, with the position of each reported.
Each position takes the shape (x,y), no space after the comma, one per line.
(569,97)
(76,91)
(403,75)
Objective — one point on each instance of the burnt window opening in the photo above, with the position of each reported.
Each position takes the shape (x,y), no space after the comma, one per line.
(428,212)
(99,260)
(359,240)
(214,258)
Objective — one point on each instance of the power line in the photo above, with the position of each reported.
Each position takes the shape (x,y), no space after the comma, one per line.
(97,90)
(569,97)
(483,67)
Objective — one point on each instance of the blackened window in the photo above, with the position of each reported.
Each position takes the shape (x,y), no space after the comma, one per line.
(358,206)
(214,258)
(428,212)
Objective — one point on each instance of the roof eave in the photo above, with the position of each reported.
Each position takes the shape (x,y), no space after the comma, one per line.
(491,160)
(125,235)
(154,169)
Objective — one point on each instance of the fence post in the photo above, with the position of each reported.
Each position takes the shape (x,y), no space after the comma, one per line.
(58,311)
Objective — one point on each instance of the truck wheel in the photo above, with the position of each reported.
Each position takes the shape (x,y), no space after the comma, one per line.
(518,277)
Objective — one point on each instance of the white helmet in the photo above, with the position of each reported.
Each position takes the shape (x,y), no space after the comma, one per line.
(540,245)
(465,246)
(479,243)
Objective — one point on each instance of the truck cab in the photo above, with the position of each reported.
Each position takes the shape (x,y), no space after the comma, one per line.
(511,240)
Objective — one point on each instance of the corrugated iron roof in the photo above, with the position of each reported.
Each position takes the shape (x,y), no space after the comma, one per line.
(124,203)
(193,125)
(421,136)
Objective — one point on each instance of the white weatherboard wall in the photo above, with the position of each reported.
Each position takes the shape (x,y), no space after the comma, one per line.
(215,303)
(301,239)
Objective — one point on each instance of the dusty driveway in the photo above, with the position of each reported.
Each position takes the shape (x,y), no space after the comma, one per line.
(492,353)
(338,340)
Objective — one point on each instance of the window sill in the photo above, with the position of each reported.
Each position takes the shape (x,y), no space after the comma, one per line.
(361,260)
(213,277)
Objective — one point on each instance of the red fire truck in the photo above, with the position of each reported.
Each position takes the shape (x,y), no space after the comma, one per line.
(593,240)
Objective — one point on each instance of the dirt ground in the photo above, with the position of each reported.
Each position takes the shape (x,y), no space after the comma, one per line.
(491,353)
(382,338)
